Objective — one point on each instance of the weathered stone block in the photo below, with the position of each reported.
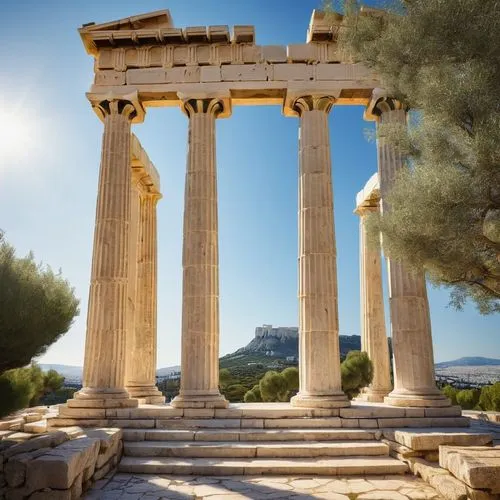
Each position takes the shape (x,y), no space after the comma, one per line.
(59,467)
(147,75)
(49,441)
(450,411)
(251,54)
(449,487)
(110,77)
(105,59)
(210,74)
(109,440)
(241,72)
(274,53)
(38,427)
(303,52)
(431,439)
(291,72)
(478,467)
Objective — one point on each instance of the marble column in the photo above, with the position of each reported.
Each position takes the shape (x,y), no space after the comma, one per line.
(373,335)
(319,358)
(414,378)
(141,347)
(200,260)
(105,345)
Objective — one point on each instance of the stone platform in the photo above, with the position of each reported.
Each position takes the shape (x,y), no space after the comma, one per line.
(261,438)
(261,415)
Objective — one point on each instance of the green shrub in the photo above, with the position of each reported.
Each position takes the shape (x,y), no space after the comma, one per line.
(490,397)
(253,395)
(16,390)
(273,387)
(468,398)
(356,372)
(291,375)
(235,393)
(451,393)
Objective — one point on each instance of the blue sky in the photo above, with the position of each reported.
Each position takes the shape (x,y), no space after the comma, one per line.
(50,143)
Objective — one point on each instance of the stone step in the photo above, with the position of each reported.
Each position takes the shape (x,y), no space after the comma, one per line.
(235,466)
(297,449)
(250,435)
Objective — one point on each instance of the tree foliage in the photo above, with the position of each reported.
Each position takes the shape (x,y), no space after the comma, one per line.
(291,375)
(37,307)
(468,398)
(490,397)
(441,58)
(356,372)
(225,378)
(451,393)
(273,387)
(23,387)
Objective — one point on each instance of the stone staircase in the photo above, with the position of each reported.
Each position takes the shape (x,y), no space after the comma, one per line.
(222,452)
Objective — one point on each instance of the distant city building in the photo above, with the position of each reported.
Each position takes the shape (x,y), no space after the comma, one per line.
(281,332)
(290,358)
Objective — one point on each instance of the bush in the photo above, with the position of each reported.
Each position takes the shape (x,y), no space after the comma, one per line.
(253,395)
(235,393)
(468,398)
(273,387)
(451,393)
(357,372)
(490,397)
(23,387)
(16,390)
(291,375)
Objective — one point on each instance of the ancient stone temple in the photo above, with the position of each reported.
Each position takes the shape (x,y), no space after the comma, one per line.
(146,61)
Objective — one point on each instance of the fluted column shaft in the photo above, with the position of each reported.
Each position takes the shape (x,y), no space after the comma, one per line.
(141,362)
(319,358)
(414,378)
(373,334)
(104,365)
(200,259)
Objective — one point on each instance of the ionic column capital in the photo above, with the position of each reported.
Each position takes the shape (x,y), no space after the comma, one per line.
(297,105)
(381,103)
(111,104)
(218,106)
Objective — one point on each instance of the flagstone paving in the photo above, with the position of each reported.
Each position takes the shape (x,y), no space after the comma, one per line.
(154,487)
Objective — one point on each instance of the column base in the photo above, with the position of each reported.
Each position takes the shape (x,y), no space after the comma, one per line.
(202,400)
(102,398)
(372,396)
(339,400)
(150,394)
(432,399)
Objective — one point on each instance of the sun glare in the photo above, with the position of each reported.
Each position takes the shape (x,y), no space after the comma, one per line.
(20,136)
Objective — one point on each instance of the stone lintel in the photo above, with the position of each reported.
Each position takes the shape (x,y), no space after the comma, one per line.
(143,166)
(130,95)
(369,196)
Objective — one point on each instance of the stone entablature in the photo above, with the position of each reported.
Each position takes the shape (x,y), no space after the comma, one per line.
(148,55)
(143,167)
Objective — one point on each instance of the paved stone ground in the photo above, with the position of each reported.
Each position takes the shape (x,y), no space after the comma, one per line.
(152,487)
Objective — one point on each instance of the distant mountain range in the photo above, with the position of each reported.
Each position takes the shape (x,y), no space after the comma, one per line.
(470,361)
(280,350)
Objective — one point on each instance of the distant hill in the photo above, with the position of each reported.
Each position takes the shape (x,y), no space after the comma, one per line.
(163,372)
(470,361)
(69,372)
(270,348)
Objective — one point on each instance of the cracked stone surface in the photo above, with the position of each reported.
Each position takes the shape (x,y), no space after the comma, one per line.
(164,487)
